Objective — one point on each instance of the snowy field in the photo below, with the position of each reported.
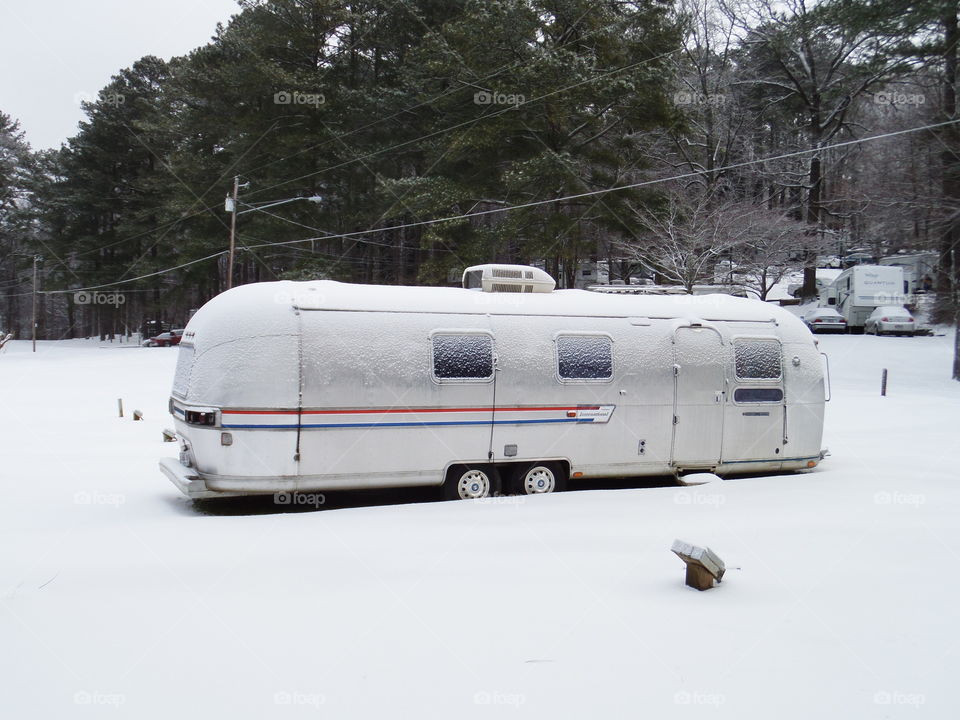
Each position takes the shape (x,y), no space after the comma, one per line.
(122,599)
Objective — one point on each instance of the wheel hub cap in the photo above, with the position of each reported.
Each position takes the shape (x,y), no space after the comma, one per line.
(473,484)
(539,480)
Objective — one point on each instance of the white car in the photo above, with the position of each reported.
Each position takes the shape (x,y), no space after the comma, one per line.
(890,320)
(825,320)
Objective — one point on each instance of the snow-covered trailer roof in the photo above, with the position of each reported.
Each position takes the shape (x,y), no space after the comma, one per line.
(245,343)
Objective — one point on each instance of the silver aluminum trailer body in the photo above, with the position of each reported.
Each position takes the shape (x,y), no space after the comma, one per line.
(321,385)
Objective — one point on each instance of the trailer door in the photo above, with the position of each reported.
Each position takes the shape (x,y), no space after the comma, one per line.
(755,428)
(699,390)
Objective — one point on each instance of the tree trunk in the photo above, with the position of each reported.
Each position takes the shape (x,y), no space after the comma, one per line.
(950,236)
(813,218)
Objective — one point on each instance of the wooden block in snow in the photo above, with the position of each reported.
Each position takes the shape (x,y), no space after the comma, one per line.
(704,567)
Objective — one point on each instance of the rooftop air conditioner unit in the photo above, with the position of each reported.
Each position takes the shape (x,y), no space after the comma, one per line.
(508,278)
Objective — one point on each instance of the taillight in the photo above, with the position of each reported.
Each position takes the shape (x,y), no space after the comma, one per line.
(818,320)
(843,320)
(194,417)
(884,320)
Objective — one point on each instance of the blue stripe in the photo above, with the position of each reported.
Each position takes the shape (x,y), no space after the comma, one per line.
(414,424)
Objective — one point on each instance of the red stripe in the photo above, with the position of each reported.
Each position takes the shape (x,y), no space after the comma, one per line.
(403,410)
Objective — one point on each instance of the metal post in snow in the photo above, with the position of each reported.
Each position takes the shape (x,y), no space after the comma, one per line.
(120,406)
(883,383)
(36,259)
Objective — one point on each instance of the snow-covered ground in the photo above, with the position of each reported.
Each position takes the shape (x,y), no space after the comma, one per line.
(122,599)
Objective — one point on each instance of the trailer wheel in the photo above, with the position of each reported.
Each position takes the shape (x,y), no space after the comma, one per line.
(470,482)
(540,478)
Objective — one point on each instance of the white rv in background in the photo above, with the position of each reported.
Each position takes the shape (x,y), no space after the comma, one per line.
(858,290)
(919,270)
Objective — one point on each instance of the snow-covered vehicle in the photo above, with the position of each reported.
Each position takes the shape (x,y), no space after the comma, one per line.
(825,320)
(315,386)
(890,320)
(166,339)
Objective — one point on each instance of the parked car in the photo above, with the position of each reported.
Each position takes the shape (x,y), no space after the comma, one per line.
(825,320)
(890,320)
(166,339)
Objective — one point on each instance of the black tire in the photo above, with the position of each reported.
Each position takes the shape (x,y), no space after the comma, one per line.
(462,479)
(540,478)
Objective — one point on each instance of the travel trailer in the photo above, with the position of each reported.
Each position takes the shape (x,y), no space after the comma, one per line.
(858,290)
(919,270)
(316,386)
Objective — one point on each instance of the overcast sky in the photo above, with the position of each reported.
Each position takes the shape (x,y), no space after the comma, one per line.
(55,52)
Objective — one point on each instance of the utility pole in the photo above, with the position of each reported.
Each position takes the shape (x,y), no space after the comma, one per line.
(233,230)
(36,259)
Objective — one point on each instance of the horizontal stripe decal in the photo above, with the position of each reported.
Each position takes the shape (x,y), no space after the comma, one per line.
(393,417)
(376,411)
(412,424)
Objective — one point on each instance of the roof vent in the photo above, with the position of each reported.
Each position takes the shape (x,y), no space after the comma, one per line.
(508,279)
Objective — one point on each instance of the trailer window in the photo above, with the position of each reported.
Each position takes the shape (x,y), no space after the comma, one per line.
(757,359)
(181,377)
(462,357)
(757,395)
(584,357)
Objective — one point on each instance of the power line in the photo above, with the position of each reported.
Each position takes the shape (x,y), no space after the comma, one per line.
(410,108)
(142,277)
(508,108)
(536,203)
(443,131)
(604,191)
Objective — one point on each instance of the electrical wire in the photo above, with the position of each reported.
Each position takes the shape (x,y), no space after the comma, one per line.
(535,203)
(617,188)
